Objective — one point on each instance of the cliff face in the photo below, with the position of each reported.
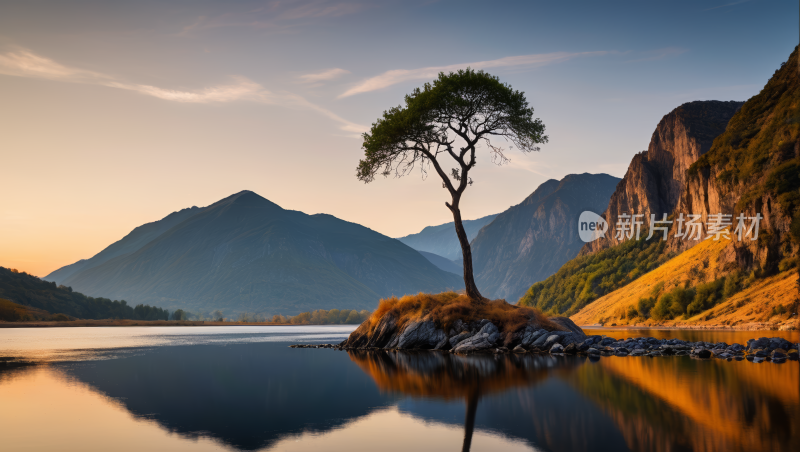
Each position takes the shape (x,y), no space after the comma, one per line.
(656,178)
(532,240)
(754,168)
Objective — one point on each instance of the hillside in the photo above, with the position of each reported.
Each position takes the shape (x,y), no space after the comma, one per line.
(32,292)
(136,239)
(247,254)
(744,301)
(442,239)
(13,312)
(532,240)
(584,279)
(752,168)
(443,263)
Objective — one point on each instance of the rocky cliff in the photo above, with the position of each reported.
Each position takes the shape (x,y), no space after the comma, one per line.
(532,240)
(656,178)
(753,168)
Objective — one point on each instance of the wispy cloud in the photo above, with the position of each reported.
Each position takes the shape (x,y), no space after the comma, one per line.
(727,4)
(23,63)
(323,76)
(396,76)
(277,15)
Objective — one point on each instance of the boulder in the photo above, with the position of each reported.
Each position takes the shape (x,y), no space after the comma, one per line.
(557,348)
(567,324)
(551,339)
(484,339)
(420,334)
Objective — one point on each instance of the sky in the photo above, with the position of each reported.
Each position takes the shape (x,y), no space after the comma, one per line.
(114,114)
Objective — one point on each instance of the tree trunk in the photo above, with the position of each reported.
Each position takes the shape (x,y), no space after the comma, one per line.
(466,252)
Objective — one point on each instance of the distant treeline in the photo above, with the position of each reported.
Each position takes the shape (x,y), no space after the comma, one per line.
(29,290)
(318,317)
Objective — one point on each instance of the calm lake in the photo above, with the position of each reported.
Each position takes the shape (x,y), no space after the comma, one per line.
(242,388)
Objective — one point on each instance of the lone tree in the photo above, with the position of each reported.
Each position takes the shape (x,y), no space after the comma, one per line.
(448,120)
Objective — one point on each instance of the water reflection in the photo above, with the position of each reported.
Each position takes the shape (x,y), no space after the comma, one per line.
(262,395)
(668,403)
(447,376)
(247,395)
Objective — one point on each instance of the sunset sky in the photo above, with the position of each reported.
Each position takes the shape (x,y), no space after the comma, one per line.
(115,114)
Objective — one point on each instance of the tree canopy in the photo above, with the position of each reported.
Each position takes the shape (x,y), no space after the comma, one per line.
(451,118)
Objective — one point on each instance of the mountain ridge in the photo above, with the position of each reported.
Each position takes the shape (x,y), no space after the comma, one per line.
(246,253)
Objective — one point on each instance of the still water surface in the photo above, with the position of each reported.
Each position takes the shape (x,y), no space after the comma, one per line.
(242,388)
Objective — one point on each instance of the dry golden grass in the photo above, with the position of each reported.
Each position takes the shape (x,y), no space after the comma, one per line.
(747,308)
(447,307)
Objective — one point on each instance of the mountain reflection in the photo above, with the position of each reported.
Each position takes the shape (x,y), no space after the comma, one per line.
(248,396)
(570,403)
(675,403)
(251,396)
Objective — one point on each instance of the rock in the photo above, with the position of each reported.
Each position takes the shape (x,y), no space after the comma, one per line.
(638,352)
(761,354)
(557,348)
(571,349)
(567,324)
(778,355)
(703,353)
(460,337)
(485,338)
(421,334)
(530,334)
(519,349)
(444,344)
(539,342)
(622,350)
(552,339)
(593,351)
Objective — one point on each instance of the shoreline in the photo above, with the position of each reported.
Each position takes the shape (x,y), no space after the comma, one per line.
(151,323)
(765,327)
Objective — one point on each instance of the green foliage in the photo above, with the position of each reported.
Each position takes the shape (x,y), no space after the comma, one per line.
(586,278)
(758,144)
(778,310)
(29,290)
(644,306)
(468,105)
(733,284)
(690,301)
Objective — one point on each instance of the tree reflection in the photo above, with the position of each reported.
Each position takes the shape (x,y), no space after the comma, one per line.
(454,377)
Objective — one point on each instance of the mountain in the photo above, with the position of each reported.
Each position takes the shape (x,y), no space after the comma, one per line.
(530,241)
(32,292)
(137,238)
(443,263)
(656,177)
(751,167)
(247,254)
(442,239)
